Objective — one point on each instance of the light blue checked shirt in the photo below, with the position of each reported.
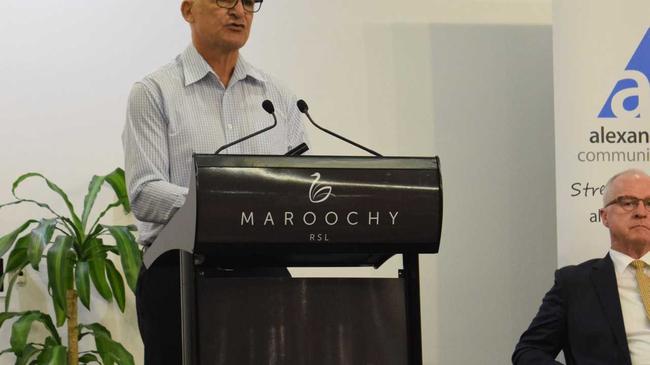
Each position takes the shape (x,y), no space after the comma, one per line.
(183,108)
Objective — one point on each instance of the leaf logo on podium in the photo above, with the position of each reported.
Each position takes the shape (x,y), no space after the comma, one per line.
(318,193)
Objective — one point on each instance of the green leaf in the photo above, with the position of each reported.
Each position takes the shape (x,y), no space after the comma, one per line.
(102,336)
(73,229)
(59,270)
(54,188)
(50,342)
(10,287)
(22,327)
(129,253)
(93,249)
(17,261)
(110,351)
(4,316)
(18,256)
(115,350)
(28,353)
(93,189)
(6,351)
(117,284)
(95,233)
(88,358)
(56,355)
(82,277)
(112,249)
(103,213)
(97,264)
(49,325)
(7,240)
(117,181)
(20,330)
(39,238)
(42,205)
(96,328)
(60,314)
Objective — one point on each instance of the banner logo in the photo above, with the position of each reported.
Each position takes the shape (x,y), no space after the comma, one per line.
(319,193)
(631,95)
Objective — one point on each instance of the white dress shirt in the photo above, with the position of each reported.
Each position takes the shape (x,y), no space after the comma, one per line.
(183,108)
(637,324)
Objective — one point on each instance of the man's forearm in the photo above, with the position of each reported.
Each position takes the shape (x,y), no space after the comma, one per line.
(157,201)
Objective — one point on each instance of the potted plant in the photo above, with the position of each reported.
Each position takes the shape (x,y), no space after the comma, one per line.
(77,257)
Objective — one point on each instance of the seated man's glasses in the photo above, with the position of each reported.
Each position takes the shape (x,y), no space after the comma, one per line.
(251,6)
(629,203)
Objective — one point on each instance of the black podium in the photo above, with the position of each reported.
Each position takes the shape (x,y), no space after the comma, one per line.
(247,218)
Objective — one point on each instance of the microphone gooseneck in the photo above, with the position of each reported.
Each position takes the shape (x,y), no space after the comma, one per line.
(269,108)
(304,108)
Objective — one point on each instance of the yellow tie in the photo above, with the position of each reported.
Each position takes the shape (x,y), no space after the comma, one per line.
(644,284)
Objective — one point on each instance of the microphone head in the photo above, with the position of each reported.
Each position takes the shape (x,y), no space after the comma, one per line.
(302,106)
(268,106)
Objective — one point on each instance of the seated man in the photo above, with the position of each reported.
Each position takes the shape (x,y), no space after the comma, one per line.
(598,312)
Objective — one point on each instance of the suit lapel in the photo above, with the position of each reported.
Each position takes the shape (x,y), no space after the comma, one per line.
(604,280)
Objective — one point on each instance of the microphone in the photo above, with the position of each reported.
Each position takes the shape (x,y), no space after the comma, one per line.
(302,106)
(269,108)
(298,150)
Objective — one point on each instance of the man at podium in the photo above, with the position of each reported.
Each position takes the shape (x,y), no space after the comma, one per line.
(208,96)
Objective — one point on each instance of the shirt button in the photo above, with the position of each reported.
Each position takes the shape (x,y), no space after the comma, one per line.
(229,126)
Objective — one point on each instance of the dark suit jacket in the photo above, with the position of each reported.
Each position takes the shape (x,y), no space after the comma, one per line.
(581,315)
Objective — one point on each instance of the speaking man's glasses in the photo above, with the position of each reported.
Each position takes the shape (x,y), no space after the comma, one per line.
(251,6)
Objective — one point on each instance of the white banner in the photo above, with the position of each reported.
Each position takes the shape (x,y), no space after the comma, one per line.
(602,112)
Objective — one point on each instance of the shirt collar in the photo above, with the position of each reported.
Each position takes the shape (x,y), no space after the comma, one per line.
(195,68)
(622,261)
(244,69)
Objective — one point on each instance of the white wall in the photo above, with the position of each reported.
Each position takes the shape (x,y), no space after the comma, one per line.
(364,67)
(493,104)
